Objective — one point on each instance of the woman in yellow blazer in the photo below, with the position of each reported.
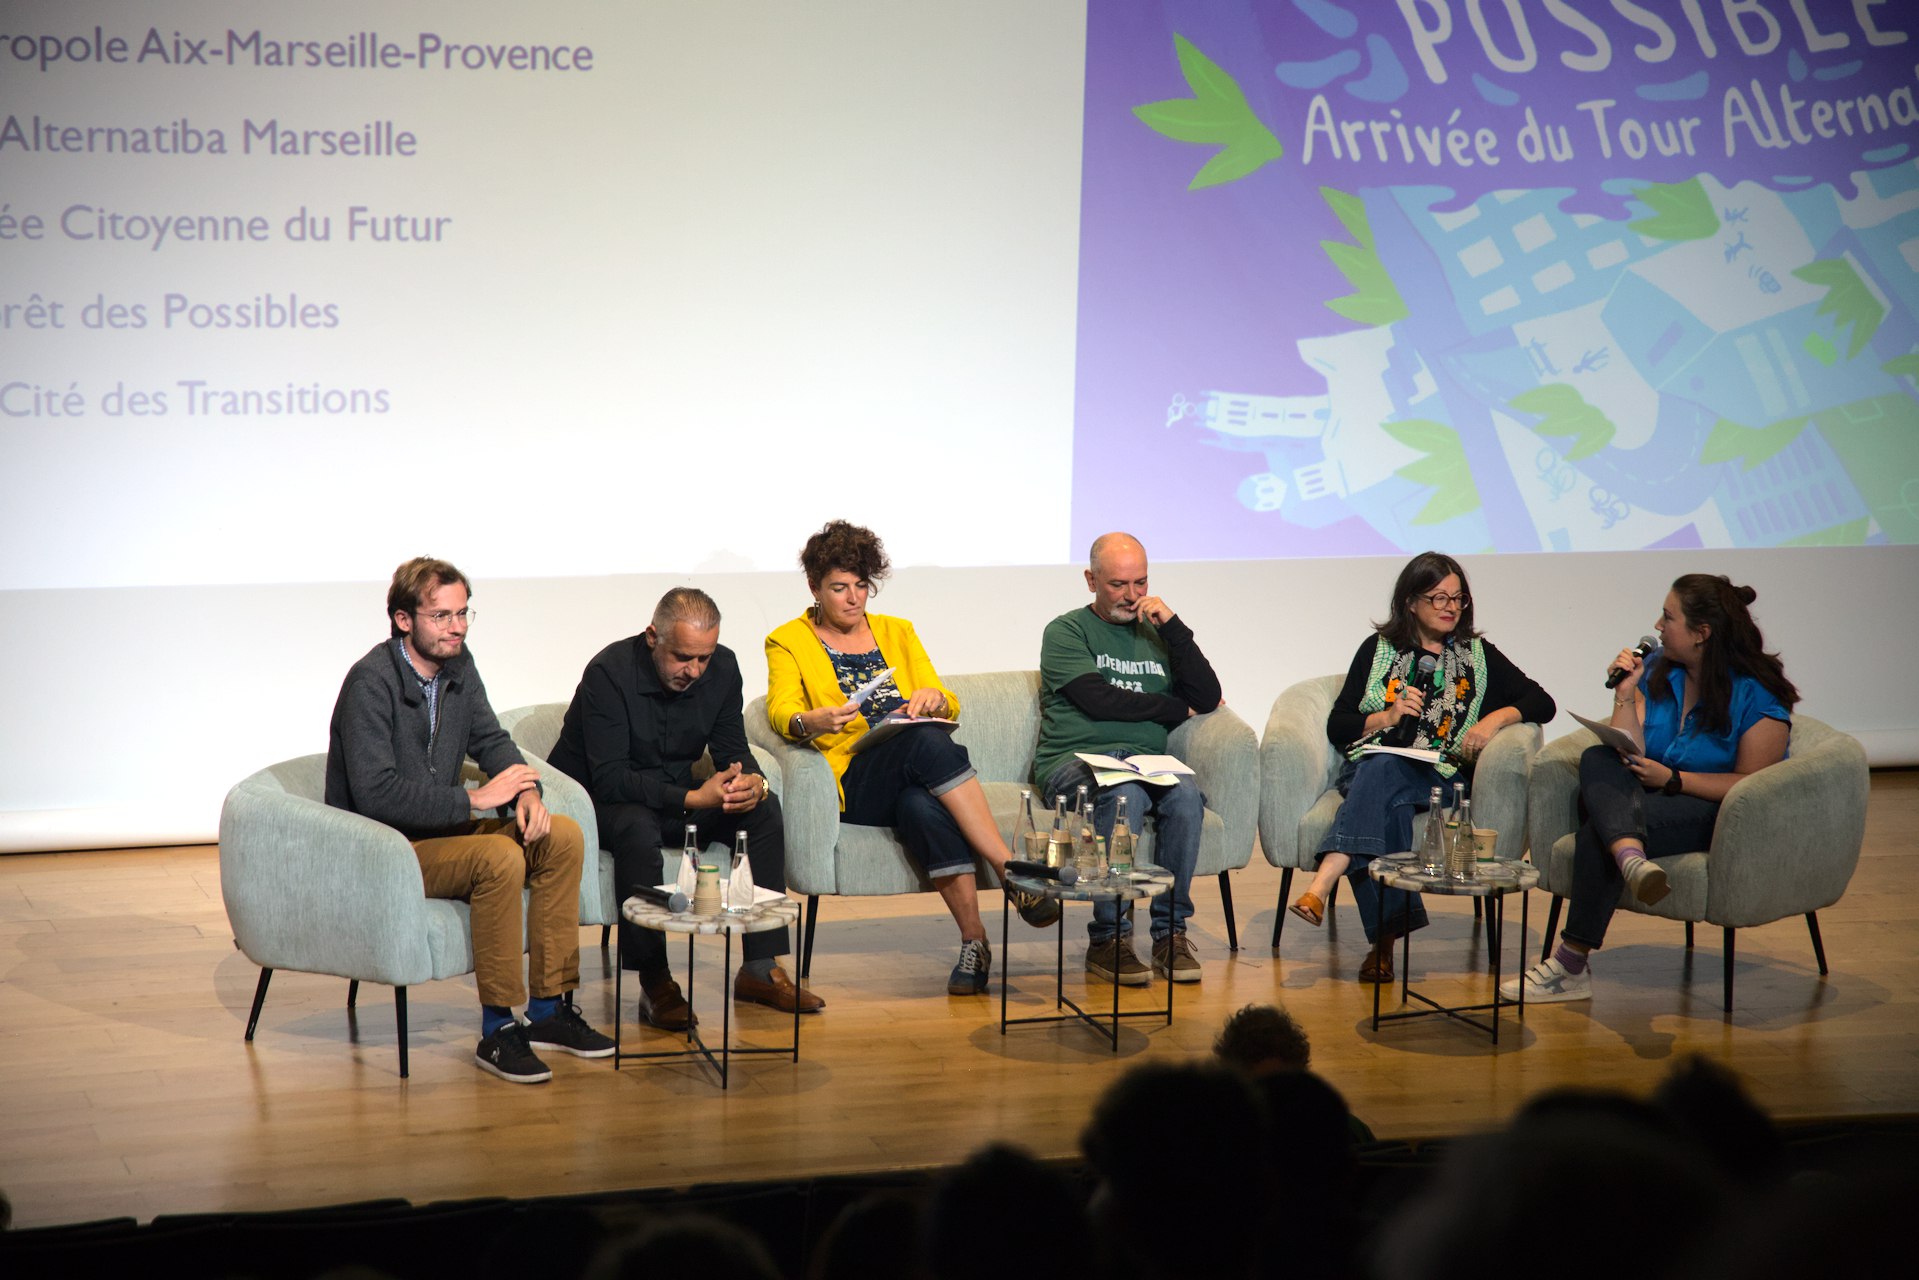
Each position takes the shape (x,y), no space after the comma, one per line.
(919,782)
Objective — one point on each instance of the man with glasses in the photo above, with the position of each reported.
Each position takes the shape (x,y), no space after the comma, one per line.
(1115,678)
(408,715)
(647,709)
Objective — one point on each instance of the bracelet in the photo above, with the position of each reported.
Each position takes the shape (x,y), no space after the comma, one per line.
(1623,702)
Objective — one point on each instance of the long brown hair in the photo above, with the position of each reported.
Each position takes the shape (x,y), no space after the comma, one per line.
(1733,646)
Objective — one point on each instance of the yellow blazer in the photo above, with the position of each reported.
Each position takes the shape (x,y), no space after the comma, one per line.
(799,677)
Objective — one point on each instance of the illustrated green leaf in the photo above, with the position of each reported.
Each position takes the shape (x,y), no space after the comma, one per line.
(1189,120)
(1375,299)
(1906,366)
(1680,211)
(1235,162)
(1216,115)
(1351,212)
(1848,300)
(1564,412)
(1207,80)
(1731,441)
(1820,348)
(1444,468)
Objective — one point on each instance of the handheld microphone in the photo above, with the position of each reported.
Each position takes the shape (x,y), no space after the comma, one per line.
(1645,646)
(1040,871)
(1406,730)
(673,900)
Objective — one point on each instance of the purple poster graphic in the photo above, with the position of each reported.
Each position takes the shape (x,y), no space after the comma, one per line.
(1498,275)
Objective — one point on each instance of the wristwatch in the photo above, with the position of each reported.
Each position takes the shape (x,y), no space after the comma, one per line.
(796,727)
(765,787)
(1673,786)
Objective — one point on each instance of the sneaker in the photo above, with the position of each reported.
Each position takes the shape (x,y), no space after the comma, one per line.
(1550,983)
(1035,909)
(975,964)
(1646,879)
(1114,961)
(507,1055)
(1174,957)
(568,1032)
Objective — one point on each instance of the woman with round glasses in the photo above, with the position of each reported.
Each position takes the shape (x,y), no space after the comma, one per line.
(1711,706)
(1425,679)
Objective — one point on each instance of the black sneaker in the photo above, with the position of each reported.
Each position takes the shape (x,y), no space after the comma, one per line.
(568,1032)
(507,1055)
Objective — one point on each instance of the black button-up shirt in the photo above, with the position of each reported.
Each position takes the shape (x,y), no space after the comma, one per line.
(631,740)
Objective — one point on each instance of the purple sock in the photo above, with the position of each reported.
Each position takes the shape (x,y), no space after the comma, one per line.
(1572,961)
(1621,855)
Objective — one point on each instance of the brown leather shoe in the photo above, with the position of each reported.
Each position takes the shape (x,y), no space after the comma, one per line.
(663,1005)
(778,992)
(1310,909)
(1377,967)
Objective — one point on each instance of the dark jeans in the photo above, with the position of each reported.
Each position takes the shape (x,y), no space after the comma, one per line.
(1613,806)
(1178,812)
(899,783)
(1382,793)
(634,834)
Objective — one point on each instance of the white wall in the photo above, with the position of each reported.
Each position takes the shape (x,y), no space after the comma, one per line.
(127,714)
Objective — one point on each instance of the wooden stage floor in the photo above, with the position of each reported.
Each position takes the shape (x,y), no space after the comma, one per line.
(129,1091)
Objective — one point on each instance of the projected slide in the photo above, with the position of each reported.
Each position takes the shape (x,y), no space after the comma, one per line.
(1362,278)
(290,292)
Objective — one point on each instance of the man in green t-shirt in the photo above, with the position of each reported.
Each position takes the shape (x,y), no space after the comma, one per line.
(1115,677)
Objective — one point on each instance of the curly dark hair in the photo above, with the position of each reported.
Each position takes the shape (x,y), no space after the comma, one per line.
(1733,646)
(1422,573)
(846,547)
(1262,1036)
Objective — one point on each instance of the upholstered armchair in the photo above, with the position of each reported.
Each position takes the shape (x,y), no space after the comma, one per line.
(316,889)
(1297,802)
(1785,844)
(999,726)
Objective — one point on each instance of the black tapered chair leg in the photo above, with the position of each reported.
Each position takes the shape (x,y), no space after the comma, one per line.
(399,1018)
(1729,933)
(260,996)
(1689,935)
(606,933)
(806,940)
(1226,901)
(1818,946)
(1552,927)
(1279,912)
(352,992)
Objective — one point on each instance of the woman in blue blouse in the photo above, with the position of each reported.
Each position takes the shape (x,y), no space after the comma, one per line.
(1712,706)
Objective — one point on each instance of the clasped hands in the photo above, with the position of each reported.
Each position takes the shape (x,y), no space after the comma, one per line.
(731,790)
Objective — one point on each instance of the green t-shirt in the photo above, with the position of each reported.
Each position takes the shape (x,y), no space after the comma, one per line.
(1131,656)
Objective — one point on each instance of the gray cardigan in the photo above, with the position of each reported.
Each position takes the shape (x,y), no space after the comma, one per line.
(383,763)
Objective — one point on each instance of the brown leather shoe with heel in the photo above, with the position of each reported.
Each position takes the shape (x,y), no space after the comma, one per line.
(663,1005)
(779,992)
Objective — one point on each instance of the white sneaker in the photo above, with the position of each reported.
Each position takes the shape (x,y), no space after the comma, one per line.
(1550,983)
(1646,879)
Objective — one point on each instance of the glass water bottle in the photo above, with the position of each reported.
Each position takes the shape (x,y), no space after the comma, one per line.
(1119,845)
(689,877)
(1028,842)
(739,882)
(1432,849)
(1465,850)
(1059,841)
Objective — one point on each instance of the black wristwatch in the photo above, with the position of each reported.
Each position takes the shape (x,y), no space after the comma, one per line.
(1673,785)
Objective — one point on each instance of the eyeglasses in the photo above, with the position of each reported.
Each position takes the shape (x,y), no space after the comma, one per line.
(440,617)
(1445,602)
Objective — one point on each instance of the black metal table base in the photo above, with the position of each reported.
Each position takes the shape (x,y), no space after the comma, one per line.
(1106,1024)
(697,1049)
(1495,918)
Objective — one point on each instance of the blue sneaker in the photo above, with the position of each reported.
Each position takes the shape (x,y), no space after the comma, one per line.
(975,965)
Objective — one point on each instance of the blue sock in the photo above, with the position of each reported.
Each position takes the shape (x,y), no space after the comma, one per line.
(540,1008)
(761,969)
(492,1018)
